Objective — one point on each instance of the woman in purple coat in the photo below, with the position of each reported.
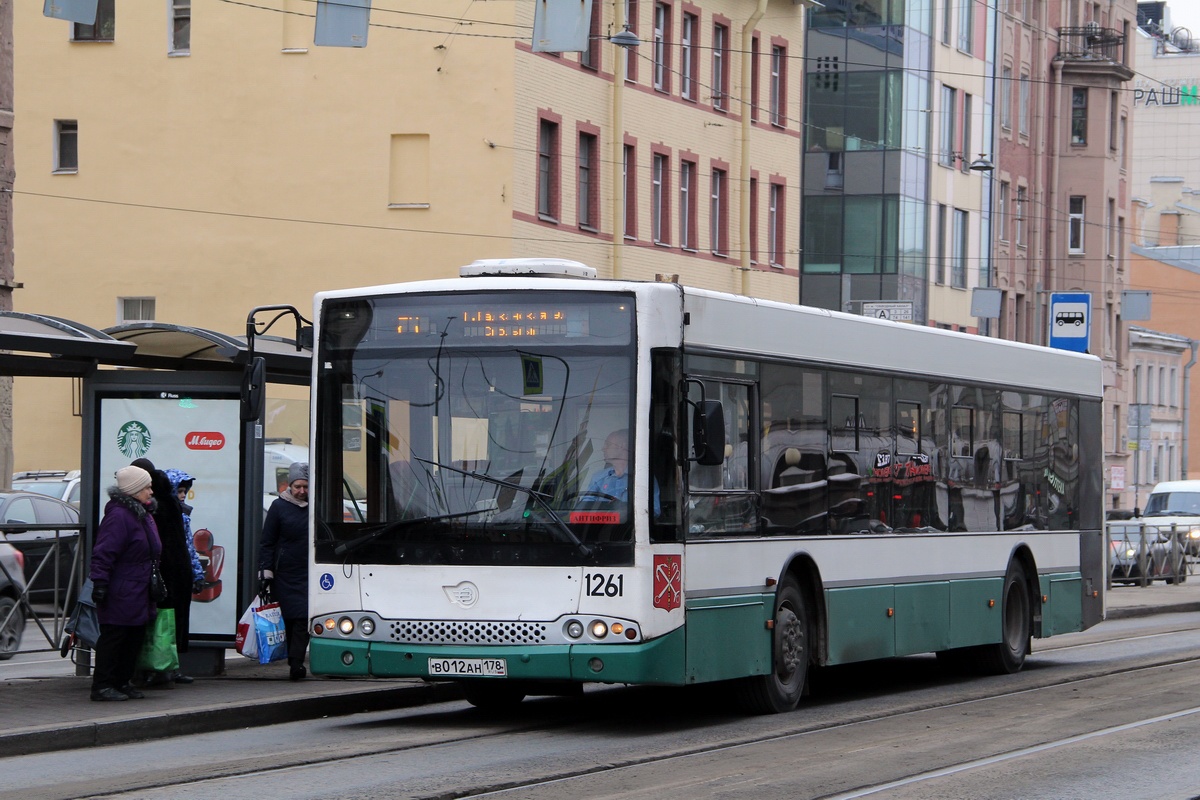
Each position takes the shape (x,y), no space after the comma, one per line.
(127,546)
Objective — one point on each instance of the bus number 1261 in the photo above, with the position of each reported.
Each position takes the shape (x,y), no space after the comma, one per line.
(597,584)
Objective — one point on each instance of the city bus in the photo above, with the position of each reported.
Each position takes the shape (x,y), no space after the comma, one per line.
(567,480)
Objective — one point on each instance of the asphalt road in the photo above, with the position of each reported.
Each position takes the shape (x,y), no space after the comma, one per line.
(1110,712)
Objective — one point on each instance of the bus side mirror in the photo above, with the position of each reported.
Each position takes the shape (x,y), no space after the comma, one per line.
(708,433)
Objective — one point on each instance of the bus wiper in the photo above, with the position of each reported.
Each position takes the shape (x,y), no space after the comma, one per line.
(537,497)
(354,544)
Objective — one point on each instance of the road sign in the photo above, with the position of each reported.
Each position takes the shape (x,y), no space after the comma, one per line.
(897,311)
(1070,320)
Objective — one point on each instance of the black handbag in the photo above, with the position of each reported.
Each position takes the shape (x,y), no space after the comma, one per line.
(158,586)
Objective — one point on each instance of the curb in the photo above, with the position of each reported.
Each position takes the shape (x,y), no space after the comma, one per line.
(1132,612)
(73,736)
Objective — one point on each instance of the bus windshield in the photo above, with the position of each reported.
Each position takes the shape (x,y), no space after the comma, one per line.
(483,428)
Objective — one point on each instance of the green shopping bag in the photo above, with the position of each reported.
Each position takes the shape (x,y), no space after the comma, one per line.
(158,652)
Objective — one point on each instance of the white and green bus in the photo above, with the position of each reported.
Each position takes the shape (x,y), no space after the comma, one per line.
(569,480)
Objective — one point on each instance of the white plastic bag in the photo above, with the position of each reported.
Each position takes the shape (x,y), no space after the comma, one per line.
(246,638)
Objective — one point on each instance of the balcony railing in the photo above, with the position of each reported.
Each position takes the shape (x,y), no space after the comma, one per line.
(1090,43)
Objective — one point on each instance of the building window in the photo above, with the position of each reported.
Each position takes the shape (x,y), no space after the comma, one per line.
(754,59)
(720,65)
(66,145)
(135,309)
(104,29)
(587,187)
(660,206)
(1002,212)
(1006,98)
(718,213)
(779,85)
(590,57)
(1023,106)
(1019,218)
(753,221)
(776,225)
(949,112)
(947,7)
(966,25)
(964,153)
(958,256)
(662,47)
(629,223)
(689,57)
(687,205)
(1110,218)
(939,247)
(1113,111)
(1075,225)
(181,27)
(1079,115)
(548,170)
(631,60)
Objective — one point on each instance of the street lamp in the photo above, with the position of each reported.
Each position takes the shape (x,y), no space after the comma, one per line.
(625,40)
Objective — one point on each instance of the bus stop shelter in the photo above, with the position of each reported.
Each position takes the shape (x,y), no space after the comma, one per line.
(174,394)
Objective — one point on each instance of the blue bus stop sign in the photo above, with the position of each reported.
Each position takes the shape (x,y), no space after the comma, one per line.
(1070,320)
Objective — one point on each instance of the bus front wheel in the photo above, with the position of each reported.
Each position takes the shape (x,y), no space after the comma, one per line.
(780,689)
(492,694)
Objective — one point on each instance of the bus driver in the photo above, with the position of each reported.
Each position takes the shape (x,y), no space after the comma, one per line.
(613,480)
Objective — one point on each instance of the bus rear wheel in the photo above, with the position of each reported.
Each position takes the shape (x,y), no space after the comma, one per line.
(1008,656)
(780,690)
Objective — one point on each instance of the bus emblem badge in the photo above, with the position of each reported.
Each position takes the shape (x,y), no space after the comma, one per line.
(668,582)
(465,594)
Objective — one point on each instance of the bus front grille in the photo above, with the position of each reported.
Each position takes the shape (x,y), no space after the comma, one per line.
(452,632)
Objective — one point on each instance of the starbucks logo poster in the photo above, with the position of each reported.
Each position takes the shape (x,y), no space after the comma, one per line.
(133,440)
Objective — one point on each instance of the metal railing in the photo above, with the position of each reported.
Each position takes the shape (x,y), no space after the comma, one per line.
(51,587)
(1140,553)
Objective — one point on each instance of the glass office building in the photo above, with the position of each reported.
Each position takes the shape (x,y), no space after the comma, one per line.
(867,154)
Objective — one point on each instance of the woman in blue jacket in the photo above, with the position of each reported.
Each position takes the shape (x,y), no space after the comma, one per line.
(283,562)
(127,546)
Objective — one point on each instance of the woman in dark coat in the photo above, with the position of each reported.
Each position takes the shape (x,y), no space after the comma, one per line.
(127,545)
(283,562)
(176,563)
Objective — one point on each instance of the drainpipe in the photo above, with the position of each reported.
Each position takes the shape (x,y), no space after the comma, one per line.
(1050,203)
(1187,402)
(747,102)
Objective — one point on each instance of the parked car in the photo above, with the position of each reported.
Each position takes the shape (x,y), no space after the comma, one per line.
(1133,554)
(31,508)
(12,584)
(58,483)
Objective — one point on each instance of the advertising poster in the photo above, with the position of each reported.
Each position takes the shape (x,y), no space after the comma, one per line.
(199,436)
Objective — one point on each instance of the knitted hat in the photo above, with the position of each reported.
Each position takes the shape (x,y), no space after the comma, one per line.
(131,480)
(298,471)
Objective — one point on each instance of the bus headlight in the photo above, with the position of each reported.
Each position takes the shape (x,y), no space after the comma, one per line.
(346,626)
(573,629)
(366,626)
(599,629)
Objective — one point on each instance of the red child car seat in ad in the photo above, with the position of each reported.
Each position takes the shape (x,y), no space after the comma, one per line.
(212,558)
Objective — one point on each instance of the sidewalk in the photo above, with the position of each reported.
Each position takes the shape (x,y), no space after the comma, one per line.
(41,714)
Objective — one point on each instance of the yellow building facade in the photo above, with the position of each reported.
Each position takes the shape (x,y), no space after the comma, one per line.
(187,161)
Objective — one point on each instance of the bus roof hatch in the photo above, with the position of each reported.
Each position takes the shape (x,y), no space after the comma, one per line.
(539,267)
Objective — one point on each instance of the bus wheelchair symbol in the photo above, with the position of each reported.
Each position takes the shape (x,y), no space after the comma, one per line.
(1069,318)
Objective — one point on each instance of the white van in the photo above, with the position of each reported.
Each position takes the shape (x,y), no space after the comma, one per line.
(1175,505)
